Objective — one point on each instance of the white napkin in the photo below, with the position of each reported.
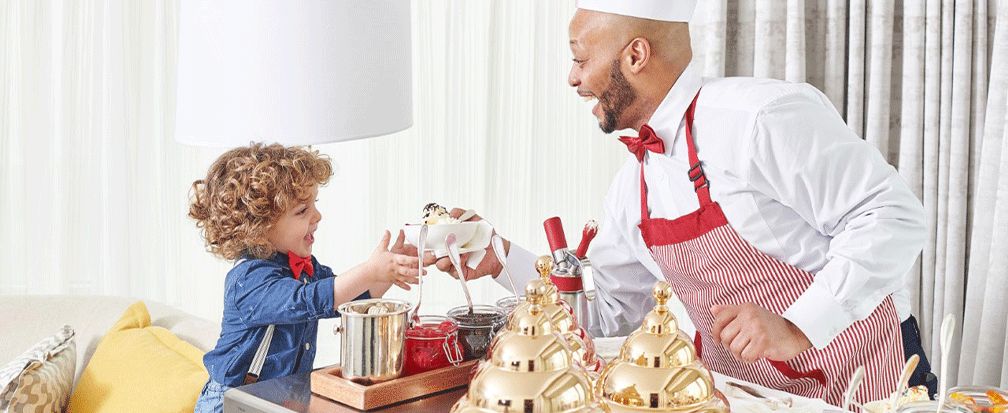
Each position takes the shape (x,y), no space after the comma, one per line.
(475,246)
(744,402)
(478,244)
(480,240)
(773,401)
(608,347)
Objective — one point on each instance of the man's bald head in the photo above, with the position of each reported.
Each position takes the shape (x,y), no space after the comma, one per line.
(628,63)
(669,41)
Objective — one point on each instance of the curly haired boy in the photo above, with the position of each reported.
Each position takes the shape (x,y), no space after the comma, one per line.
(256,206)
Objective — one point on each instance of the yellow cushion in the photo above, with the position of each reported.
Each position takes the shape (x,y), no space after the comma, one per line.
(139,368)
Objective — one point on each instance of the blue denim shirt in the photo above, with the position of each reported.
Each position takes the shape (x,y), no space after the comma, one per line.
(258,293)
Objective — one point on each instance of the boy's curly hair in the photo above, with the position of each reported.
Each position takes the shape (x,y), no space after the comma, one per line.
(247,190)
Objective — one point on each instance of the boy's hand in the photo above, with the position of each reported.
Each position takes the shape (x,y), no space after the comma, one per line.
(394,265)
(401,247)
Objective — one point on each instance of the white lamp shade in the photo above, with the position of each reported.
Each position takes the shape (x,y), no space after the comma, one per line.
(292,71)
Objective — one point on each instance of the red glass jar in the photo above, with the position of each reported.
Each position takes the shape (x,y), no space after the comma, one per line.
(431,344)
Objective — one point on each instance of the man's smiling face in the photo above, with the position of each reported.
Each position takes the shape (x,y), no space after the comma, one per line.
(596,71)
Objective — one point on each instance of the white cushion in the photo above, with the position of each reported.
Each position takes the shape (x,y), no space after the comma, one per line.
(27,317)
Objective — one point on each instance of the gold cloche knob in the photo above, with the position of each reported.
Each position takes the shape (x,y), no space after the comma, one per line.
(662,291)
(544,265)
(660,320)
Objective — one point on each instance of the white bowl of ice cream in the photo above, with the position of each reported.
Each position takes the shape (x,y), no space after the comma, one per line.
(470,236)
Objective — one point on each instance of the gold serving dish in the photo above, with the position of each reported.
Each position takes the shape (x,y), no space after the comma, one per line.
(657,369)
(530,368)
(560,316)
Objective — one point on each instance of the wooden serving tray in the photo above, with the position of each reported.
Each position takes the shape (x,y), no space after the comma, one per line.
(327,382)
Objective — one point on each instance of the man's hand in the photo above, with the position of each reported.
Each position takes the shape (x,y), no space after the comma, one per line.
(751,332)
(488,266)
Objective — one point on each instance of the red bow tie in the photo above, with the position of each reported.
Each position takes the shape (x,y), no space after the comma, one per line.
(299,264)
(646,141)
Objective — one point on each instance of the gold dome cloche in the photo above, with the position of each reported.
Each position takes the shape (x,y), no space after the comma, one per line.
(657,369)
(530,368)
(561,316)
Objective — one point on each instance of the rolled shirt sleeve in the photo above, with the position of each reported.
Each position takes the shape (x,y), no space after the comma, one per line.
(520,264)
(805,156)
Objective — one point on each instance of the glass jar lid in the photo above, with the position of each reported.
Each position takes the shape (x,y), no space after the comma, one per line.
(481,316)
(432,327)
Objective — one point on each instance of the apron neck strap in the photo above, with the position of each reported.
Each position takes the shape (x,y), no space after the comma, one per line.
(696,173)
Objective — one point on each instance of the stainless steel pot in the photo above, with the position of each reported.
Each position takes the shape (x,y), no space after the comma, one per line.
(372,339)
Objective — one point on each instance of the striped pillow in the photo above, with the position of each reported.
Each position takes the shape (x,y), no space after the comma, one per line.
(40,380)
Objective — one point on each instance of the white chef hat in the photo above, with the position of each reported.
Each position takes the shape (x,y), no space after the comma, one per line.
(664,10)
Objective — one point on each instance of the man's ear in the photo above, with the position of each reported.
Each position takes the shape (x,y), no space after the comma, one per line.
(637,54)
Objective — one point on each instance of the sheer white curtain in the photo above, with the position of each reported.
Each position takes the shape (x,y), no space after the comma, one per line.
(496,129)
(94,191)
(93,188)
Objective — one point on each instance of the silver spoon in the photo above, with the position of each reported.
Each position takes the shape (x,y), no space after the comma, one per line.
(852,388)
(469,213)
(908,370)
(456,259)
(498,248)
(421,244)
(947,332)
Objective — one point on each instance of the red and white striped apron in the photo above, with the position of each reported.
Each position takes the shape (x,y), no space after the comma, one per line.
(708,263)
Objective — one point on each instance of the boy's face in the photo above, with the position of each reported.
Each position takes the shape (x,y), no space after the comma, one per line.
(295,230)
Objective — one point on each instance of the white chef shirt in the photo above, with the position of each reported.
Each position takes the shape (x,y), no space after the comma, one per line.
(792,179)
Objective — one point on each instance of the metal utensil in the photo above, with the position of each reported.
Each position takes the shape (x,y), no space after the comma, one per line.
(852,387)
(469,213)
(772,402)
(908,369)
(456,260)
(421,247)
(498,248)
(947,330)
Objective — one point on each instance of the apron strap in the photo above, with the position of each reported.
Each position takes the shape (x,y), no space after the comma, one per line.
(696,174)
(259,359)
(645,212)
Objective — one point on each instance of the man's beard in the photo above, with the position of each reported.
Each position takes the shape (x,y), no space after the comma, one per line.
(616,98)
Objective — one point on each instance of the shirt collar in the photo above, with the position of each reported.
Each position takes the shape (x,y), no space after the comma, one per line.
(670,113)
(277,257)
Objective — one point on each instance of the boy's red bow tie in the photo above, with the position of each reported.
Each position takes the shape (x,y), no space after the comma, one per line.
(299,264)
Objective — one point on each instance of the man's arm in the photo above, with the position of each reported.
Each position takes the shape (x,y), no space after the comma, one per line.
(805,157)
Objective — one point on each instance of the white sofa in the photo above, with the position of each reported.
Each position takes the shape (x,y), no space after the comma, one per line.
(29,318)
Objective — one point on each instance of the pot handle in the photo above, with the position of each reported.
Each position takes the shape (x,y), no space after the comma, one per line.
(588,272)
